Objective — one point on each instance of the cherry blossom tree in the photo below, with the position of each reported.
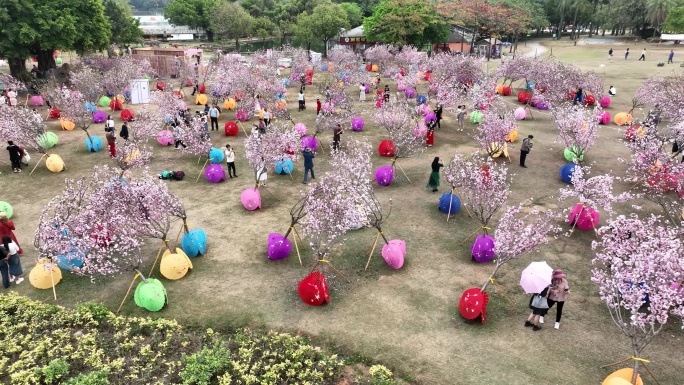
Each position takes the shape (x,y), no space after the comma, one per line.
(665,93)
(11,83)
(75,107)
(639,271)
(24,127)
(596,192)
(118,72)
(380,54)
(577,128)
(263,151)
(452,76)
(135,152)
(401,122)
(494,132)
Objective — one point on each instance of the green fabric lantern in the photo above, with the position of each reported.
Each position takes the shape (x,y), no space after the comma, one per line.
(147,77)
(150,295)
(48,140)
(104,101)
(58,61)
(572,153)
(476,117)
(7,209)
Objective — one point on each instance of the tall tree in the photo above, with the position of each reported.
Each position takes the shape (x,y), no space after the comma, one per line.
(354,13)
(674,22)
(125,29)
(325,22)
(193,13)
(405,22)
(37,28)
(231,21)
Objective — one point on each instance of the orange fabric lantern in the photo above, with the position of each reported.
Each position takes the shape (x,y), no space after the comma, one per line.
(375,68)
(67,125)
(623,118)
(229,104)
(499,89)
(625,374)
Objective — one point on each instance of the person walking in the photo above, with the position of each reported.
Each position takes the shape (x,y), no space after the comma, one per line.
(438,113)
(386,95)
(15,271)
(267,117)
(362,92)
(178,133)
(109,123)
(539,308)
(213,116)
(626,53)
(643,55)
(308,163)
(559,292)
(124,131)
(230,160)
(525,149)
(337,135)
(433,182)
(430,135)
(111,141)
(610,53)
(460,116)
(300,99)
(670,57)
(318,105)
(7,228)
(15,155)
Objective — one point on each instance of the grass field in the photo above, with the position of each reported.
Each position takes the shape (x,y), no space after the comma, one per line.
(406,319)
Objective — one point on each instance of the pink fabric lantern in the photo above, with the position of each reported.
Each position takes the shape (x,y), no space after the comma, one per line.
(603,117)
(99,117)
(520,113)
(36,100)
(584,217)
(431,117)
(357,124)
(483,248)
(215,173)
(605,102)
(420,130)
(410,93)
(384,175)
(241,115)
(394,252)
(165,137)
(401,87)
(300,128)
(424,109)
(251,199)
(328,108)
(279,247)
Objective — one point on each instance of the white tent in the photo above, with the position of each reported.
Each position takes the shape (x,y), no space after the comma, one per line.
(140,91)
(672,36)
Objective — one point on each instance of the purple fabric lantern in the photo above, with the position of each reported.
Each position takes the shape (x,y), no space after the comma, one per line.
(309,142)
(384,175)
(357,124)
(367,90)
(241,115)
(534,101)
(295,77)
(215,173)
(300,128)
(483,248)
(410,93)
(603,117)
(165,137)
(605,102)
(431,117)
(251,199)
(520,113)
(542,105)
(36,100)
(394,252)
(401,87)
(279,247)
(99,117)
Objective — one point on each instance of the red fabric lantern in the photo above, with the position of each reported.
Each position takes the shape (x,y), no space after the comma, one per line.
(507,91)
(571,95)
(473,303)
(402,72)
(102,239)
(178,94)
(387,149)
(590,100)
(115,105)
(188,83)
(309,73)
(313,289)
(127,115)
(238,96)
(369,67)
(161,86)
(309,80)
(231,129)
(54,113)
(202,88)
(524,97)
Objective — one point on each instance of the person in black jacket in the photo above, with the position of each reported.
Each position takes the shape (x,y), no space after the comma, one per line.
(438,114)
(15,155)
(124,131)
(308,163)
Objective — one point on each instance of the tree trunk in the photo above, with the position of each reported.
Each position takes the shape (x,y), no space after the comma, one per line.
(489,280)
(45,60)
(210,35)
(325,47)
(574,22)
(237,45)
(636,365)
(18,69)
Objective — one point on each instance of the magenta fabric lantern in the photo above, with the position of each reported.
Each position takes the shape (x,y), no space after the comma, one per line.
(165,137)
(99,117)
(410,93)
(367,89)
(520,113)
(605,102)
(424,109)
(279,247)
(603,117)
(394,252)
(401,87)
(215,173)
(300,128)
(431,117)
(483,248)
(357,123)
(328,108)
(36,100)
(241,115)
(420,130)
(309,142)
(384,175)
(542,105)
(251,199)
(584,217)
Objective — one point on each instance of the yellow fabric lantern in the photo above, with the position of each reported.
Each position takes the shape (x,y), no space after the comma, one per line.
(622,377)
(67,125)
(499,89)
(175,266)
(281,105)
(375,68)
(43,278)
(229,104)
(132,156)
(201,99)
(120,98)
(54,163)
(622,118)
(500,150)
(340,85)
(512,136)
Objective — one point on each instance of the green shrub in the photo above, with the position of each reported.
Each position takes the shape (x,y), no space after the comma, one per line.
(380,375)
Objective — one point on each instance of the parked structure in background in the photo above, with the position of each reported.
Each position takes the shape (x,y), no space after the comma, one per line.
(158,28)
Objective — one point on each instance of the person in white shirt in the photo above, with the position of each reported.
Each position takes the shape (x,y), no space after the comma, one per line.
(230,160)
(643,55)
(261,175)
(267,117)
(300,99)
(362,93)
(11,97)
(109,124)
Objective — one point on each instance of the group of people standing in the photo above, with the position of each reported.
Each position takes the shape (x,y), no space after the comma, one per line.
(10,264)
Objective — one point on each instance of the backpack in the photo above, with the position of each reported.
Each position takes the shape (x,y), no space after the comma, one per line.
(166,175)
(178,175)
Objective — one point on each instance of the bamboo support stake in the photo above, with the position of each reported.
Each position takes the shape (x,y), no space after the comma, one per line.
(451,200)
(202,170)
(127,293)
(402,171)
(52,278)
(37,163)
(157,257)
(294,238)
(268,191)
(370,255)
(470,236)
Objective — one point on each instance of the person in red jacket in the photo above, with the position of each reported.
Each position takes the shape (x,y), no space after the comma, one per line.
(6,228)
(318,105)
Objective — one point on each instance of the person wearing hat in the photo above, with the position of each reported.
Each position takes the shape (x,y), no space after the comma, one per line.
(7,228)
(559,291)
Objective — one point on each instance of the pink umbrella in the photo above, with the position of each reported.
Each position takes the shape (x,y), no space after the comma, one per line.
(536,277)
(394,252)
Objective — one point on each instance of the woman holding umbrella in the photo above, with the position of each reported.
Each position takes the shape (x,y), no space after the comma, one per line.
(535,280)
(541,301)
